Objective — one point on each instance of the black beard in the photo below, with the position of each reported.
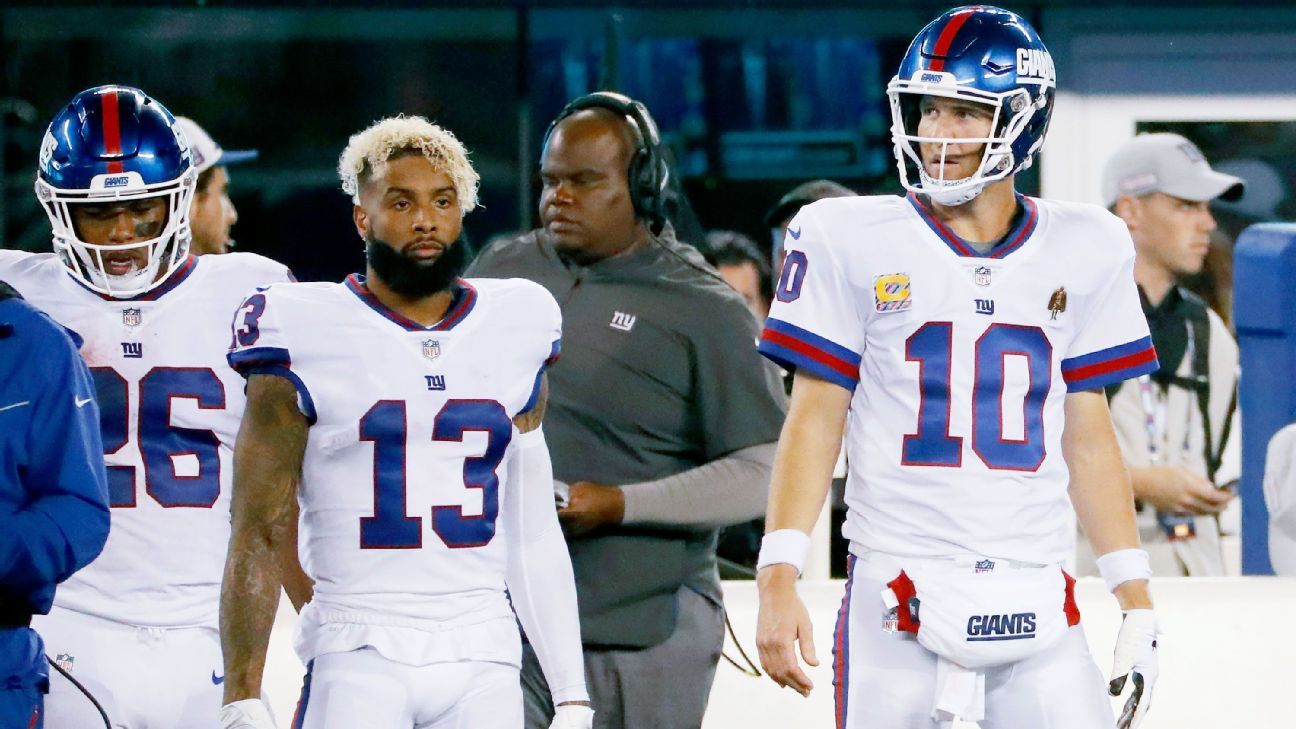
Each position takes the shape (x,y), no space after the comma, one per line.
(410,277)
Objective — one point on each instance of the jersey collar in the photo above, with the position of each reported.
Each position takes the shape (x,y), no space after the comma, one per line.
(461,303)
(1014,240)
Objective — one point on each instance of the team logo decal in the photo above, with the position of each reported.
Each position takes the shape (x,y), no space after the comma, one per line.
(64,661)
(891,293)
(431,348)
(622,321)
(891,621)
(1057,302)
(132,317)
(48,145)
(981,276)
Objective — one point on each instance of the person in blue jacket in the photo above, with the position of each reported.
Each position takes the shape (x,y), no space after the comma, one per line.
(53,491)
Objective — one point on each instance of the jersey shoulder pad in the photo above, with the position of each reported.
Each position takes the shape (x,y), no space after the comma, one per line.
(16,266)
(519,292)
(250,267)
(841,221)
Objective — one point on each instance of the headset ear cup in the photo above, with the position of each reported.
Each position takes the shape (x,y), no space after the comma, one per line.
(643,192)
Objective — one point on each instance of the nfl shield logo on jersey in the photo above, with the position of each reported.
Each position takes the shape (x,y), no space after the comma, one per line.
(131,317)
(981,275)
(64,661)
(984,565)
(891,293)
(431,348)
(891,621)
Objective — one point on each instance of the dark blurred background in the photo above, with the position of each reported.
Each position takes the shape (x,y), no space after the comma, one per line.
(752,97)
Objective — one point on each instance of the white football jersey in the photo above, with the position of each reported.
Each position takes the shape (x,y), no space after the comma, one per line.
(404,465)
(958,363)
(170,409)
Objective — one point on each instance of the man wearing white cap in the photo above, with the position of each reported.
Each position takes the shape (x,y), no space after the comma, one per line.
(212,214)
(1178,427)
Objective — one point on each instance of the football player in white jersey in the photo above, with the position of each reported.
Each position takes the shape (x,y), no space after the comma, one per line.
(138,626)
(398,413)
(961,337)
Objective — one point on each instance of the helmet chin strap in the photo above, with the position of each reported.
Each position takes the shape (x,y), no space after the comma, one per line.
(950,198)
(939,194)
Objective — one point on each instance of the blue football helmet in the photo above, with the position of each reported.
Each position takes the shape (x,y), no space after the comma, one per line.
(985,55)
(114,144)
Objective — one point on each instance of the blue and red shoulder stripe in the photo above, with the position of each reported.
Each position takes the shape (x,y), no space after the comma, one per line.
(793,348)
(1109,366)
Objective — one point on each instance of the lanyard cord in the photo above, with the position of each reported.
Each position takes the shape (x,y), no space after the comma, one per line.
(1156,411)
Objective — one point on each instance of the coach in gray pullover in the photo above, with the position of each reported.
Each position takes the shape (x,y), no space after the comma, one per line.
(662,419)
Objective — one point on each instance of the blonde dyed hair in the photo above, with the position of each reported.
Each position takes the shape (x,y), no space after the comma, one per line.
(369,151)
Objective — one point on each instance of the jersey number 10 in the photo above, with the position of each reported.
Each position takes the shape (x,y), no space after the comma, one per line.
(933,349)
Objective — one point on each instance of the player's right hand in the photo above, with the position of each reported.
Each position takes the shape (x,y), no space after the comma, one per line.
(246,714)
(781,623)
(1177,490)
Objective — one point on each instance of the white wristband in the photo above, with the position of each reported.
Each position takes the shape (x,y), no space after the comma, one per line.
(1124,565)
(784,546)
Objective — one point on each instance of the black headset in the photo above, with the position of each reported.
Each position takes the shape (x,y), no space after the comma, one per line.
(649,172)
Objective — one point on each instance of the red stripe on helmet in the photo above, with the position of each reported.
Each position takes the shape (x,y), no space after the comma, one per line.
(946,38)
(112,130)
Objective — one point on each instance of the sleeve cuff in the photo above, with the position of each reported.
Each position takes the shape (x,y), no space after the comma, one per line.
(554,353)
(578,692)
(274,361)
(1110,366)
(244,360)
(794,348)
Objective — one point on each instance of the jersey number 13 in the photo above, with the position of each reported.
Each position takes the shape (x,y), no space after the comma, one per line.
(390,527)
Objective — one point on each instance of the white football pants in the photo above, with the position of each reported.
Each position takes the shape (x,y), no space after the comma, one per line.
(362,689)
(886,680)
(145,678)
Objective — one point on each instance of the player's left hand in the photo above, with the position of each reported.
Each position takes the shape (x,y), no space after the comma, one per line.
(573,716)
(1135,663)
(590,506)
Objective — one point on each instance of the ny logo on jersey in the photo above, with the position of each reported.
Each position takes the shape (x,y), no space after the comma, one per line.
(985,306)
(435,382)
(431,348)
(132,350)
(132,317)
(623,321)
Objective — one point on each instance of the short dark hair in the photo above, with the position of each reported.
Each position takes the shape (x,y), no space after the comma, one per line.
(731,248)
(204,179)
